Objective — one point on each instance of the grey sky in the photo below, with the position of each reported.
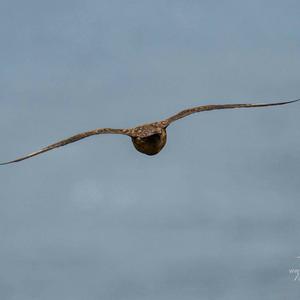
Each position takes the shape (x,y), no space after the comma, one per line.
(214,216)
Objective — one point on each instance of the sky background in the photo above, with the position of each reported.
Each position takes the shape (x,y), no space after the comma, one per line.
(216,215)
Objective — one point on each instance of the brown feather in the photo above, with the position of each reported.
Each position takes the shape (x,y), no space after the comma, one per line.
(189,111)
(147,138)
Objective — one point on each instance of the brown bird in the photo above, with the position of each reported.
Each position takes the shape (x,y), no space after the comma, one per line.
(147,138)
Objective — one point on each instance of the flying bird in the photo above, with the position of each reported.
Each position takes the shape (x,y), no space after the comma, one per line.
(148,138)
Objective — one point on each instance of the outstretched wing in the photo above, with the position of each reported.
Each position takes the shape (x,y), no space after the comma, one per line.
(193,110)
(69,140)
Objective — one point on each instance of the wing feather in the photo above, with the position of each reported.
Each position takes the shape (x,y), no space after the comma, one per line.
(187,112)
(69,140)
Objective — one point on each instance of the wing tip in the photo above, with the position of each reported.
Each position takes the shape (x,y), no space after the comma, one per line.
(9,162)
(295,100)
(290,101)
(6,163)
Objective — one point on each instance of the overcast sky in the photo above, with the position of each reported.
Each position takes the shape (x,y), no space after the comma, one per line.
(216,215)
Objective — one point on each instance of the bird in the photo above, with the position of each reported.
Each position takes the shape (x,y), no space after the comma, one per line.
(149,138)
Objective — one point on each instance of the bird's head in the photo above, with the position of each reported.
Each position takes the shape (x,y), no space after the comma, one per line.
(151,144)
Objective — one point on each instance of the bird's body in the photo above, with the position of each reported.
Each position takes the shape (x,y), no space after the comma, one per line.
(147,138)
(151,144)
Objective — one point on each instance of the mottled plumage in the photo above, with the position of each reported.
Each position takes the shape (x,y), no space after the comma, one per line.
(147,138)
